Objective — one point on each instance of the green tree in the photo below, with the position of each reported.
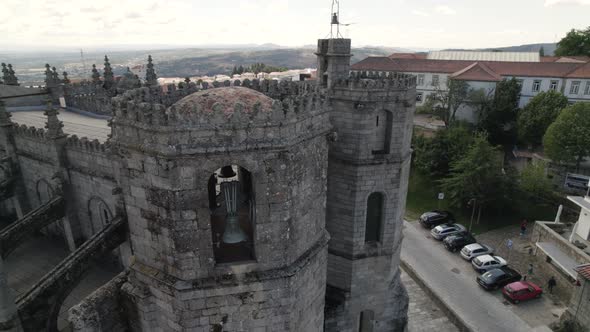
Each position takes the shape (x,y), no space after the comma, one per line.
(478,175)
(534,181)
(499,120)
(568,138)
(576,42)
(542,51)
(534,119)
(448,101)
(435,155)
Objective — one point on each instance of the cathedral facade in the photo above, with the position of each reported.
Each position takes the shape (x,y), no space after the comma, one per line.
(243,206)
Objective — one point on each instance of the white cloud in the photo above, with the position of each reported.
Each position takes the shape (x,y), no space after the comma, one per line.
(445,10)
(549,3)
(420,13)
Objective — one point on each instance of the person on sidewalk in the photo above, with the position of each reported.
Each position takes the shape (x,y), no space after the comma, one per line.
(523,225)
(529,272)
(551,283)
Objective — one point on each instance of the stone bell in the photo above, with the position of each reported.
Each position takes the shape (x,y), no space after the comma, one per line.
(233,232)
(227,172)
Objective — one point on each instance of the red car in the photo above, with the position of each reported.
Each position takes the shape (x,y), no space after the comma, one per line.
(521,291)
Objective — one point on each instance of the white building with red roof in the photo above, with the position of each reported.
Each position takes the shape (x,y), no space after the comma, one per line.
(569,75)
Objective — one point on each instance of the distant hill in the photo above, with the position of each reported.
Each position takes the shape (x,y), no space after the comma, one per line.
(549,48)
(222,63)
(179,62)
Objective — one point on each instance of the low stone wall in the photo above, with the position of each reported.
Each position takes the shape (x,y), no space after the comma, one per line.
(102,310)
(543,232)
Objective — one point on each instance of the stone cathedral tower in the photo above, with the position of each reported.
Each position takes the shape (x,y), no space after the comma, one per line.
(368,173)
(225,197)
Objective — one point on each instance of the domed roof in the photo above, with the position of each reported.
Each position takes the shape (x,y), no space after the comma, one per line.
(226,100)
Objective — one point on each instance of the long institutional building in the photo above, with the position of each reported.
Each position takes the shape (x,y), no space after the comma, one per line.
(482,70)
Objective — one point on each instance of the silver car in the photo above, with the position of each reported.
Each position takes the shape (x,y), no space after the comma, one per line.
(471,251)
(485,263)
(441,231)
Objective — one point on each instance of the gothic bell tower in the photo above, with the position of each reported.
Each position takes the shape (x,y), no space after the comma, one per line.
(368,171)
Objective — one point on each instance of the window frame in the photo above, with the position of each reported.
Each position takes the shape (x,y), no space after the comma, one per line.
(587,89)
(420,80)
(552,83)
(575,86)
(536,85)
(435,80)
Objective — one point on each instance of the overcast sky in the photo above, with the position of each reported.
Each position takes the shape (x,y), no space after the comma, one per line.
(396,23)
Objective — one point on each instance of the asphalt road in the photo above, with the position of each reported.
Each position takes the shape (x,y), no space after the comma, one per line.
(453,280)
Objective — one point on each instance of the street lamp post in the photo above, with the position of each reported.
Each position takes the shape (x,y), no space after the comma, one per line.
(472,202)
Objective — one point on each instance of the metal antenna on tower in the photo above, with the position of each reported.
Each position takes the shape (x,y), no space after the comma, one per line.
(335,19)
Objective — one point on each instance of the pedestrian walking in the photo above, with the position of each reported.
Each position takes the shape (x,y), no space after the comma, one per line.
(523,226)
(529,272)
(551,283)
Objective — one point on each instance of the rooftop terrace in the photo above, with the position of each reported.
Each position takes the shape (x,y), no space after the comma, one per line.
(74,123)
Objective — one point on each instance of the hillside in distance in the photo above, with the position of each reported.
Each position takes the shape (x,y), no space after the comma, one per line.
(180,62)
(222,63)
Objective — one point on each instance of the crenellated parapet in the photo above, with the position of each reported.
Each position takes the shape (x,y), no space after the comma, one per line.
(85,144)
(375,87)
(39,134)
(230,117)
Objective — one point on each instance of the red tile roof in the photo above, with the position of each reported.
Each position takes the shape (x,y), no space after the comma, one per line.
(580,72)
(569,58)
(540,69)
(476,72)
(584,271)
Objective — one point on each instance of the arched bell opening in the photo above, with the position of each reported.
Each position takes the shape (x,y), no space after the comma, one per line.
(233,212)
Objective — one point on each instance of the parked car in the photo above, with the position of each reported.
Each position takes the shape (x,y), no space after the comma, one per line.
(434,218)
(485,263)
(521,291)
(473,250)
(441,231)
(458,241)
(496,278)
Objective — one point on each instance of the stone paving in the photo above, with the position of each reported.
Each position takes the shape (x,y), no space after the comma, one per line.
(423,314)
(37,256)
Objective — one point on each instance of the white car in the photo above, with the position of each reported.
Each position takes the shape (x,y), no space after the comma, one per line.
(485,263)
(471,251)
(441,231)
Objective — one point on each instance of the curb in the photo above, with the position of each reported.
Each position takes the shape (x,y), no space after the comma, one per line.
(453,316)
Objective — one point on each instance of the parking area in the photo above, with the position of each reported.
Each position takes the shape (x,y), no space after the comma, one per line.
(454,280)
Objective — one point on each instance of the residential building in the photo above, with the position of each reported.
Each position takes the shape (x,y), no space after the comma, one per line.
(482,70)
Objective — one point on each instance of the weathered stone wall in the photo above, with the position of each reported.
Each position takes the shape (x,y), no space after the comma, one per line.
(284,299)
(101,311)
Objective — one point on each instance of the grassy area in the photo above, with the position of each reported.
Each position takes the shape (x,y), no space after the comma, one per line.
(422,196)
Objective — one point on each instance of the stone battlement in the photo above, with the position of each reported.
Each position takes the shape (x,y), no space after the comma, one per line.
(292,101)
(84,144)
(31,132)
(377,81)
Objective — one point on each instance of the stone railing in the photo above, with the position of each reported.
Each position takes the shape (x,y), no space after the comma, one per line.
(13,235)
(39,307)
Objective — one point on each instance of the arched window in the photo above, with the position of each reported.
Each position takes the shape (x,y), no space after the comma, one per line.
(374,217)
(233,212)
(99,213)
(44,191)
(383,126)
